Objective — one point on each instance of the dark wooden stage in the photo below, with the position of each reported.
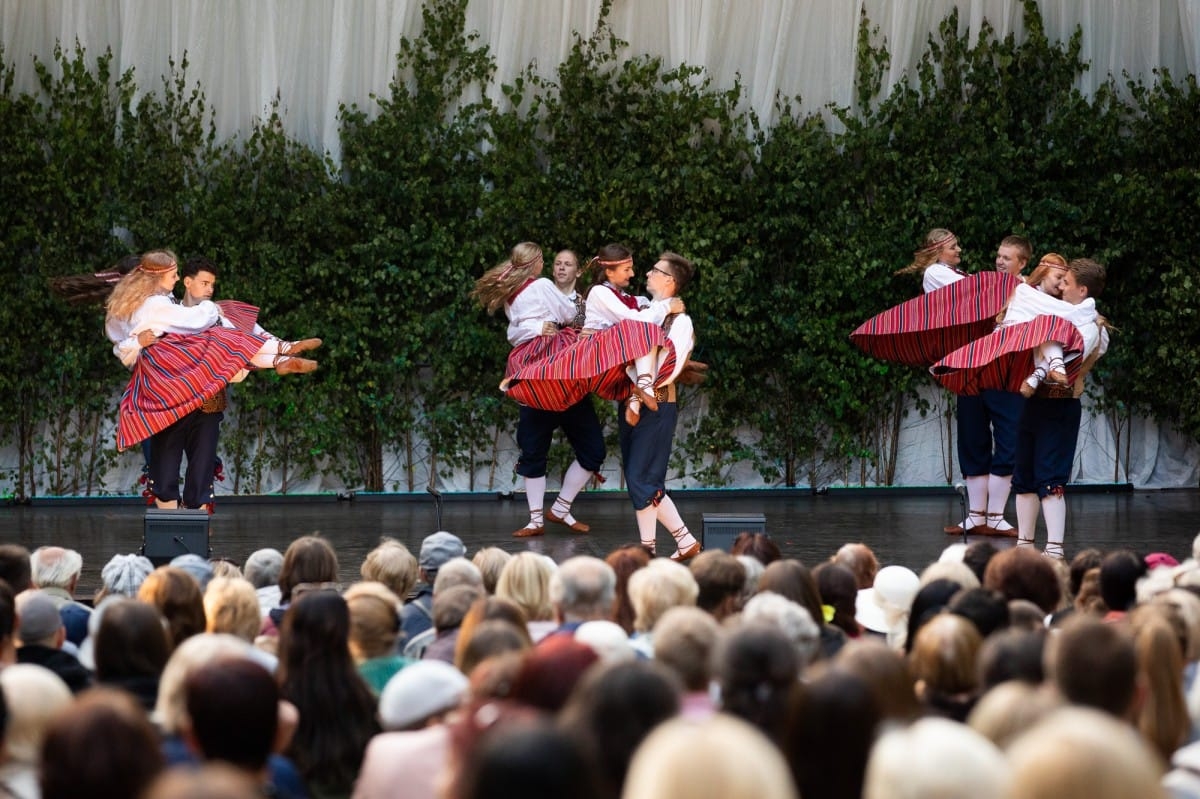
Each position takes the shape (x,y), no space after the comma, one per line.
(903,525)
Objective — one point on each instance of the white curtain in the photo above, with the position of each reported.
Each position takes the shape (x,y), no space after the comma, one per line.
(314,55)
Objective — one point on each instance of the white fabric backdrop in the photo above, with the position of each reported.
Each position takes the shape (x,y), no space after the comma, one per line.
(316,54)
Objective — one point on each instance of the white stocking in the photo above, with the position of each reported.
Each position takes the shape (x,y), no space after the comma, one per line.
(535,495)
(1028,508)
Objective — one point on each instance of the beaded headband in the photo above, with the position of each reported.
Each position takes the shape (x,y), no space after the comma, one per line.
(937,245)
(614,264)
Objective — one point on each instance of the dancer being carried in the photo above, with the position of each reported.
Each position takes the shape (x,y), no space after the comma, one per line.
(541,316)
(609,304)
(195,358)
(599,360)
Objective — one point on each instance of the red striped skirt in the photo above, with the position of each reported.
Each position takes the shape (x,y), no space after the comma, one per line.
(1004,358)
(925,329)
(594,363)
(538,349)
(176,374)
(241,315)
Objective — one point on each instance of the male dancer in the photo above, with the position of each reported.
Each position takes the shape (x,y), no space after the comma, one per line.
(196,434)
(987,431)
(1049,425)
(646,444)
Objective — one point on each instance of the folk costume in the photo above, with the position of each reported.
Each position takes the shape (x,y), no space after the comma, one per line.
(528,309)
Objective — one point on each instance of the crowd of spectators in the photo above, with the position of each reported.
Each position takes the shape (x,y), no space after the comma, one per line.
(458,675)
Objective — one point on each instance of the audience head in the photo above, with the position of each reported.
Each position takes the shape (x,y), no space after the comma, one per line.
(716,752)
(757,667)
(55,567)
(720,578)
(758,546)
(308,559)
(15,567)
(657,588)
(197,652)
(684,641)
(420,695)
(199,568)
(886,673)
(625,562)
(38,620)
(839,590)
(1022,573)
(34,696)
(936,757)
(860,560)
(525,581)
(582,589)
(178,598)
(987,610)
(1009,709)
(825,763)
(100,746)
(450,605)
(1014,654)
(374,620)
(550,671)
(930,600)
(262,568)
(613,709)
(1120,571)
(792,619)
(123,576)
(131,641)
(1107,759)
(977,556)
(393,565)
(231,606)
(884,607)
(457,572)
(233,712)
(944,667)
(490,562)
(528,758)
(1095,665)
(436,550)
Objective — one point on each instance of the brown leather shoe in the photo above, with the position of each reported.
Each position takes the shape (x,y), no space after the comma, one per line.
(632,414)
(576,526)
(297,347)
(647,397)
(979,529)
(681,556)
(295,366)
(529,532)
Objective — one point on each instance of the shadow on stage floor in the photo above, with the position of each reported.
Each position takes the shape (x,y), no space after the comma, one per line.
(902,525)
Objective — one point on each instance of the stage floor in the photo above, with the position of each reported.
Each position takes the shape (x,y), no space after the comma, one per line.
(903,526)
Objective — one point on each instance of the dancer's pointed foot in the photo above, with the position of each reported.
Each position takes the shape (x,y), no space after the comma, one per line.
(684,555)
(294,366)
(575,525)
(297,347)
(633,411)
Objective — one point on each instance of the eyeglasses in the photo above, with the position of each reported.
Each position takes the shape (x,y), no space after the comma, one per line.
(661,272)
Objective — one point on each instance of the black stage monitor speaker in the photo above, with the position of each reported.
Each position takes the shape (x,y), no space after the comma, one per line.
(720,529)
(171,533)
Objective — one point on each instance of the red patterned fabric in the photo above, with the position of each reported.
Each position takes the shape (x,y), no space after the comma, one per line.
(1004,358)
(925,329)
(593,363)
(538,349)
(241,315)
(628,300)
(176,374)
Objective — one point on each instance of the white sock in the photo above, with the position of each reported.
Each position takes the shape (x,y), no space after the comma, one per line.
(1054,510)
(265,357)
(977,500)
(573,482)
(668,514)
(647,522)
(1028,508)
(998,491)
(535,495)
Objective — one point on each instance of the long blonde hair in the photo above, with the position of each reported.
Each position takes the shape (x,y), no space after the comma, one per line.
(935,240)
(133,289)
(498,283)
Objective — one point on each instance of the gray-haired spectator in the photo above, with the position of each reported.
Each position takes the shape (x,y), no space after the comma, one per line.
(262,570)
(582,589)
(791,618)
(450,606)
(56,571)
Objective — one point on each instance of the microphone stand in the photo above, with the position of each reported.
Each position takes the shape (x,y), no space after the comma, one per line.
(437,501)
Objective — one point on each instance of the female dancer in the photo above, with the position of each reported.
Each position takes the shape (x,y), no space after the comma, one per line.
(194,359)
(540,317)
